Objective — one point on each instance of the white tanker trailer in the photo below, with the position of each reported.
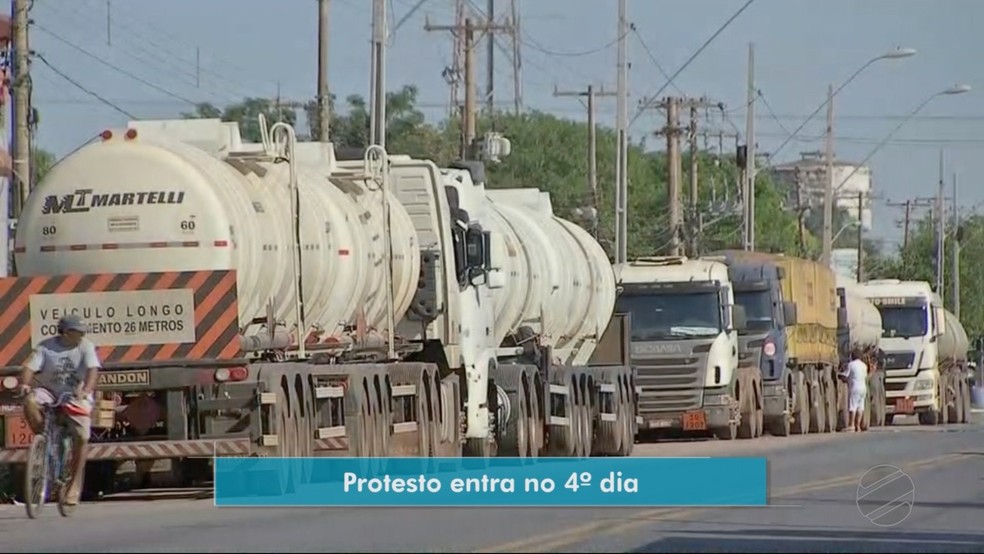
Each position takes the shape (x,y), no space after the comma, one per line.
(184,249)
(859,326)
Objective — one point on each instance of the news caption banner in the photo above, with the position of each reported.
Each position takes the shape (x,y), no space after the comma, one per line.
(491,482)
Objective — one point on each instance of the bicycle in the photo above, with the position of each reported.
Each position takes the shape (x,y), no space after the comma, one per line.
(54,456)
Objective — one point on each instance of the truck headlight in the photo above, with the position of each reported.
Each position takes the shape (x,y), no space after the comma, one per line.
(716,400)
(923,384)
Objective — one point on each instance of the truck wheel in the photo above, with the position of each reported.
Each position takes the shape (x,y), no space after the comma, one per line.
(780,426)
(831,404)
(535,426)
(818,405)
(956,408)
(801,415)
(728,433)
(966,402)
(929,417)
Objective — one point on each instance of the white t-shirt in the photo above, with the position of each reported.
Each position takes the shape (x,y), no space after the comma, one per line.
(857,375)
(61,367)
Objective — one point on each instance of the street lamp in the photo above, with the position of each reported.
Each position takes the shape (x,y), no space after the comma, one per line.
(955,89)
(828,201)
(898,53)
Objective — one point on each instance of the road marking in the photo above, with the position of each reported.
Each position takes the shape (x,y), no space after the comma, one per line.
(570,536)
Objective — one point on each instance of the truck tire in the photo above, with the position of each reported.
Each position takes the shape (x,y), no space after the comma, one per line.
(966,401)
(818,404)
(780,426)
(801,413)
(929,417)
(831,402)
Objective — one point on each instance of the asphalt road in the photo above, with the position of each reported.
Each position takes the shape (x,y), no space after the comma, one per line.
(813,508)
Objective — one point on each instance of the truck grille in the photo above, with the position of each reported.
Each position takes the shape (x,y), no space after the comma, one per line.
(899,360)
(669,384)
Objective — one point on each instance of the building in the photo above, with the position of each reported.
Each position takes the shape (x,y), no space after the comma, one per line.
(844,262)
(810,172)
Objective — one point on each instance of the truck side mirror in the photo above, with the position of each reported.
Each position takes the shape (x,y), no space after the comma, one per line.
(789,312)
(475,256)
(842,318)
(781,272)
(940,322)
(738,318)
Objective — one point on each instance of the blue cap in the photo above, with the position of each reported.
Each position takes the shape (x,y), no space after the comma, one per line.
(71,322)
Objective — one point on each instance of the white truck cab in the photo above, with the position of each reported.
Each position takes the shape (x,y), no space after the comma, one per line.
(684,345)
(912,324)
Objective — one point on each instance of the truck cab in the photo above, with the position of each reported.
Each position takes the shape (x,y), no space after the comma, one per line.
(912,324)
(684,342)
(762,344)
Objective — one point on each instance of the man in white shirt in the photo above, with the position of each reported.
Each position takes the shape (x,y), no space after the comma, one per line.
(857,386)
(65,363)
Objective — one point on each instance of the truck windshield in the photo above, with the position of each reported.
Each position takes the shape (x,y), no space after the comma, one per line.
(672,315)
(758,309)
(903,322)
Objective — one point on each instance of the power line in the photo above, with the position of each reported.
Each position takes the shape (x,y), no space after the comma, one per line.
(652,58)
(532,43)
(115,67)
(655,97)
(83,88)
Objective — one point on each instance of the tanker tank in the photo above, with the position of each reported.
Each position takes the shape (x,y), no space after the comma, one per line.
(559,281)
(863,319)
(954,343)
(162,199)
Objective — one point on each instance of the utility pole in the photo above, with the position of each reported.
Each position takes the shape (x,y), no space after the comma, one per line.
(800,210)
(940,233)
(860,272)
(695,216)
(324,113)
(748,190)
(908,215)
(621,131)
(490,62)
(517,57)
(956,251)
(592,95)
(673,159)
(908,206)
(470,109)
(828,189)
(22,104)
(672,131)
(377,119)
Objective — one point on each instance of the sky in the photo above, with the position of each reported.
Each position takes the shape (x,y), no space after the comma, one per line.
(155,59)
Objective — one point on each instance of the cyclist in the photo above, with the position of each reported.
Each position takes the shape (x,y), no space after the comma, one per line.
(65,363)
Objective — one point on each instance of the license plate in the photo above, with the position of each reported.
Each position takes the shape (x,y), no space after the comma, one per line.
(904,405)
(17,433)
(694,421)
(660,423)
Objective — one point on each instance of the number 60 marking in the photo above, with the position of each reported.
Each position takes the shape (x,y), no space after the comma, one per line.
(187,225)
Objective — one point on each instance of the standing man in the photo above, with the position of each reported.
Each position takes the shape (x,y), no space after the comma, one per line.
(857,385)
(65,363)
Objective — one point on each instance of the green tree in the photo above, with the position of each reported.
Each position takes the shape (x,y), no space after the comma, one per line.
(918,262)
(41,162)
(247,113)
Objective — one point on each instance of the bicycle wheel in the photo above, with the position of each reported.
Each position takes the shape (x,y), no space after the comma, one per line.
(63,480)
(36,476)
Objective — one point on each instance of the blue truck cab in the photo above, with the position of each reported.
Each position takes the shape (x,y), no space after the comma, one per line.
(762,343)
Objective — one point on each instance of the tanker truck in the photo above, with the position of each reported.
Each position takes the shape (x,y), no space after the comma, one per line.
(859,327)
(272,299)
(684,344)
(791,337)
(925,353)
